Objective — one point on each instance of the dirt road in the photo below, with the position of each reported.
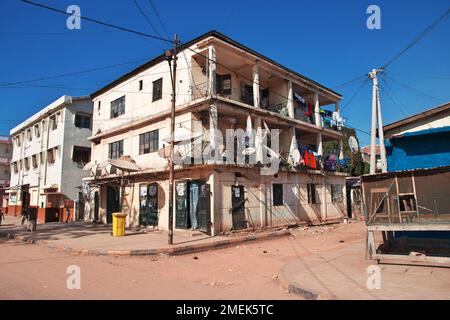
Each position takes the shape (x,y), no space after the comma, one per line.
(242,272)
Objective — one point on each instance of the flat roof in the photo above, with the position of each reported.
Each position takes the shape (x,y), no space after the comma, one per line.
(65,99)
(212,33)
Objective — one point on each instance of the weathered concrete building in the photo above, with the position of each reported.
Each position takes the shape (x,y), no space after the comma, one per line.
(49,151)
(221,85)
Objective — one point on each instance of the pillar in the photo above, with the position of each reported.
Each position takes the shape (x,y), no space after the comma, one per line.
(318,122)
(212,71)
(258,140)
(341,144)
(290,101)
(256,96)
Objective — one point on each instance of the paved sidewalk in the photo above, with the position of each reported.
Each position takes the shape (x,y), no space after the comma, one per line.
(342,274)
(96,239)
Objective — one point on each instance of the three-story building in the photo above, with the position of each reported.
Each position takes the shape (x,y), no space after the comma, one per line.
(221,85)
(49,151)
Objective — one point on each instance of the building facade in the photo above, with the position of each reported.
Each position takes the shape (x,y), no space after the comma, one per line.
(49,151)
(420,141)
(222,86)
(5,163)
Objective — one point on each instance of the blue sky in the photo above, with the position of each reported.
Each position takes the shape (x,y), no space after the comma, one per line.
(327,41)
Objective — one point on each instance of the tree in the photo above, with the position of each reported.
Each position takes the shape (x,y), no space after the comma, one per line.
(356,166)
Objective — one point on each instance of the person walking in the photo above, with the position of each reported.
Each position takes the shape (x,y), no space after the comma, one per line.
(67,215)
(1,216)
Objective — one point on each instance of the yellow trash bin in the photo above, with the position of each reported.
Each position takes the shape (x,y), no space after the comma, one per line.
(119,224)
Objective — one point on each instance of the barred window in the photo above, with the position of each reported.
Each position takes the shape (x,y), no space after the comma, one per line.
(82,121)
(149,142)
(336,193)
(116,149)
(81,154)
(118,107)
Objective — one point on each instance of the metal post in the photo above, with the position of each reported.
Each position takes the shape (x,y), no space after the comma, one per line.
(173,57)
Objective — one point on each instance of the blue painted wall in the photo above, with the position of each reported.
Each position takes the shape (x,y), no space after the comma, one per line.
(418,150)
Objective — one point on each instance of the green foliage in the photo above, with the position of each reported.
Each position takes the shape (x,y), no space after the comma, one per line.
(356,166)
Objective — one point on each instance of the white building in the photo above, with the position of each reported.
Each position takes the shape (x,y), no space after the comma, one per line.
(220,84)
(49,151)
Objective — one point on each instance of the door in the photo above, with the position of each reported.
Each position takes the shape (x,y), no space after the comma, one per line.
(80,204)
(238,207)
(182,220)
(112,202)
(199,205)
(148,213)
(96,206)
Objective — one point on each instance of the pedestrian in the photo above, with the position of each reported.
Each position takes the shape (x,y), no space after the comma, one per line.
(67,215)
(1,216)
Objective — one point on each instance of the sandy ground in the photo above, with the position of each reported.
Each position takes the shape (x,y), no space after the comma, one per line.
(242,272)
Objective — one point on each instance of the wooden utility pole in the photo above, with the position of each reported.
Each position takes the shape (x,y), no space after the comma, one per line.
(171,56)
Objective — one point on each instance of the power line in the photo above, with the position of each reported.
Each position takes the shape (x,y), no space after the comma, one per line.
(419,76)
(4,84)
(97,21)
(417,91)
(418,38)
(345,84)
(159,18)
(146,18)
(355,94)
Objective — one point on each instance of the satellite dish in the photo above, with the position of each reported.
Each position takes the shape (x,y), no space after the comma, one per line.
(267,128)
(164,152)
(353,144)
(295,156)
(182,134)
(248,151)
(272,153)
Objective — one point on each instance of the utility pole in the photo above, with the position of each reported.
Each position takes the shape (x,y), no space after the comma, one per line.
(171,56)
(376,116)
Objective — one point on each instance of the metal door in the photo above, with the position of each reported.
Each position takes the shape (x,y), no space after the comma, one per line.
(181,206)
(148,214)
(112,202)
(238,207)
(204,208)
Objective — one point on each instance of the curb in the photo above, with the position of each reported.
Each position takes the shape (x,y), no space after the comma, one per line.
(173,251)
(297,289)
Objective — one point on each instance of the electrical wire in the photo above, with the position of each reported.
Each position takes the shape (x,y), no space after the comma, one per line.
(97,21)
(417,38)
(146,18)
(416,91)
(354,95)
(159,18)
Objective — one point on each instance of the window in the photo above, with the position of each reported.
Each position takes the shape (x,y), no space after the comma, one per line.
(99,106)
(15,167)
(41,157)
(149,142)
(116,149)
(18,140)
(82,121)
(157,89)
(29,136)
(223,84)
(277,194)
(51,156)
(336,193)
(312,193)
(53,123)
(246,93)
(26,163)
(81,154)
(118,107)
(34,161)
(141,85)
(37,132)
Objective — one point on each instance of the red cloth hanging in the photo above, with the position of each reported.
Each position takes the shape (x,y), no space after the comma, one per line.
(310,160)
(310,110)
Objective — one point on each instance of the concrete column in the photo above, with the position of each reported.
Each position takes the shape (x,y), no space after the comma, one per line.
(256,97)
(319,144)
(262,201)
(290,102)
(341,144)
(213,124)
(258,140)
(318,121)
(212,71)
(324,200)
(293,140)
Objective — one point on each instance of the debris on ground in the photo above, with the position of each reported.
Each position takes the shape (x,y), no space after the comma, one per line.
(195,258)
